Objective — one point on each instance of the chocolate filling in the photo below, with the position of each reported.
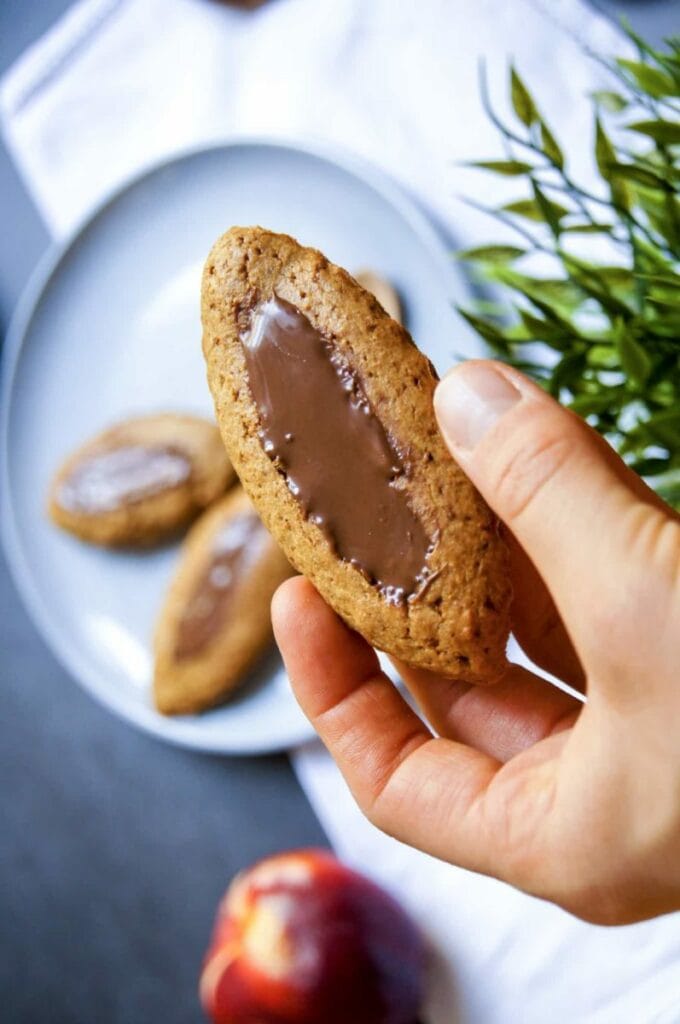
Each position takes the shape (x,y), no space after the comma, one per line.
(109,479)
(319,429)
(235,549)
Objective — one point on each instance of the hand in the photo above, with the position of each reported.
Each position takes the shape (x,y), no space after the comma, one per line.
(578,804)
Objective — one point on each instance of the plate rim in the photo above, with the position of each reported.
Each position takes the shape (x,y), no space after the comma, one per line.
(173,731)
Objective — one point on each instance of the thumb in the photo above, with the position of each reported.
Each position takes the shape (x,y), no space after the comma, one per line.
(562,492)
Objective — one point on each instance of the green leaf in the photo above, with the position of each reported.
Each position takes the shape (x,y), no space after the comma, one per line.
(491,254)
(648,79)
(650,466)
(665,280)
(549,214)
(663,214)
(568,370)
(509,168)
(487,330)
(667,295)
(587,405)
(672,66)
(655,161)
(664,327)
(670,492)
(667,302)
(672,223)
(518,334)
(612,102)
(561,295)
(665,132)
(615,328)
(522,102)
(587,276)
(635,362)
(605,156)
(552,332)
(540,329)
(648,257)
(661,377)
(603,357)
(640,175)
(550,147)
(588,229)
(530,209)
(489,308)
(664,428)
(615,276)
(524,208)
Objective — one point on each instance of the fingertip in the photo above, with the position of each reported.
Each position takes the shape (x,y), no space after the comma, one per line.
(290,603)
(322,655)
(304,623)
(470,400)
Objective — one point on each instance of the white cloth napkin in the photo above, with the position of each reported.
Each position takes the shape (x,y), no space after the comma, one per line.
(118,84)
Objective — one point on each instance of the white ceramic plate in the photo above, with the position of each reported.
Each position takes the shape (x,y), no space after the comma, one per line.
(109,328)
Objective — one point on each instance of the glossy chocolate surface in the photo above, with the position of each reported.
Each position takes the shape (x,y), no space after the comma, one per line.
(105,480)
(235,548)
(318,426)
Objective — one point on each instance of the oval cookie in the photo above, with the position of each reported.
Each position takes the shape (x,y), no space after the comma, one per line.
(325,407)
(216,620)
(141,480)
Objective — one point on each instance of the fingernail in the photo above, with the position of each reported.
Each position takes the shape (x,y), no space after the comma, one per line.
(470,400)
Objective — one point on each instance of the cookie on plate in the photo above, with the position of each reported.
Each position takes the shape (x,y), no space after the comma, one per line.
(216,621)
(141,480)
(325,407)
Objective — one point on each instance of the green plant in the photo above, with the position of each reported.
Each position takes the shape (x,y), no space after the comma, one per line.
(602,336)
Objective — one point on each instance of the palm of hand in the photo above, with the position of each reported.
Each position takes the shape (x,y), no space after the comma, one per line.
(577,804)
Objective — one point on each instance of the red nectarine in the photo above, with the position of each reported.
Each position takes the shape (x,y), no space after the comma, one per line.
(302,939)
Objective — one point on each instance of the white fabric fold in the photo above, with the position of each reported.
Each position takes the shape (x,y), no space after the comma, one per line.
(117,85)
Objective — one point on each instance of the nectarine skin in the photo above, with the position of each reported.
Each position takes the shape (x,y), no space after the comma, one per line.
(302,939)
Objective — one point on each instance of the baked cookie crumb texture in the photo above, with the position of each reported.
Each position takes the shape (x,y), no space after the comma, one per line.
(325,407)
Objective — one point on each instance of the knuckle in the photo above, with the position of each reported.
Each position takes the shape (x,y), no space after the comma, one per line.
(653,539)
(629,629)
(384,778)
(525,465)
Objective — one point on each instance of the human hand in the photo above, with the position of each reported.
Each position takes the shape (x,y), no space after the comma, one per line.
(578,804)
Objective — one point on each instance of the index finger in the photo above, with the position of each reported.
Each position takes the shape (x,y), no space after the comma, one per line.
(425,791)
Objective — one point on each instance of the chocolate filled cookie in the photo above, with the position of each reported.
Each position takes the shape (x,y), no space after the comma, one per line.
(216,621)
(141,480)
(325,407)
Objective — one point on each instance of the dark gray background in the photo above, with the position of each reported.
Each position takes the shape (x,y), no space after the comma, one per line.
(114,849)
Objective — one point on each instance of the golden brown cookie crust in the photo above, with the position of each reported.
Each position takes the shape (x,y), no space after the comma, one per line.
(156,516)
(192,684)
(459,625)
